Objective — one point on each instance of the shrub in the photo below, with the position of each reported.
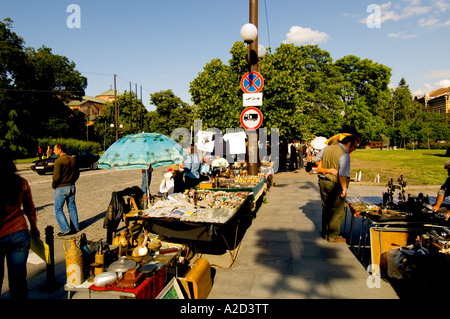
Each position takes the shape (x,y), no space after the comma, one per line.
(70,143)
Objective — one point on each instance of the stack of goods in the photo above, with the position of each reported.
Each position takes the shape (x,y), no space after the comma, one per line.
(198,206)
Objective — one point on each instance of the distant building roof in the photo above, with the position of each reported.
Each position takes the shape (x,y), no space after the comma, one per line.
(439,92)
(86,99)
(110,92)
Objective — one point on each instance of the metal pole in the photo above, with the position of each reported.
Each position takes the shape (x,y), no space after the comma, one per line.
(136,104)
(116,109)
(142,111)
(254,67)
(50,284)
(131,111)
(254,61)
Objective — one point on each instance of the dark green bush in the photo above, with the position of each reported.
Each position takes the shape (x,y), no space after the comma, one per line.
(70,143)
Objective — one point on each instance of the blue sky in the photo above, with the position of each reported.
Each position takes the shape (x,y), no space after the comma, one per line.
(164,44)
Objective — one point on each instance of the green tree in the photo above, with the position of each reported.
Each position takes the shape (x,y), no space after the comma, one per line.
(13,78)
(364,78)
(215,93)
(322,86)
(401,105)
(285,99)
(132,117)
(360,120)
(171,113)
(218,98)
(433,128)
(34,84)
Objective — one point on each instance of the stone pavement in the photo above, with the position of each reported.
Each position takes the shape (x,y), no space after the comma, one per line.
(281,254)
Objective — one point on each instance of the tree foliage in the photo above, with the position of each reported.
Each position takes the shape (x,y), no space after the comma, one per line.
(171,113)
(34,84)
(306,94)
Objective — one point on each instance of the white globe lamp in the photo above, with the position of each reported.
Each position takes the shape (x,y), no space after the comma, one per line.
(249,32)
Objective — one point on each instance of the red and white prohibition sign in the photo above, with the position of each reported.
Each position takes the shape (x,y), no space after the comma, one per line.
(251,118)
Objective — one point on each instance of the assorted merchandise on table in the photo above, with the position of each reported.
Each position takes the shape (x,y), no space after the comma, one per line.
(138,269)
(202,206)
(407,239)
(401,207)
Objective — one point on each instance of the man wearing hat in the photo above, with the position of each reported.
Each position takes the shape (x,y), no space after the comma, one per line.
(443,193)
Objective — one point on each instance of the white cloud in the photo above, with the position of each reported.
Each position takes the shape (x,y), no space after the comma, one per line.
(438,74)
(428,86)
(398,13)
(442,5)
(422,91)
(443,83)
(402,35)
(418,92)
(299,35)
(389,12)
(430,23)
(415,10)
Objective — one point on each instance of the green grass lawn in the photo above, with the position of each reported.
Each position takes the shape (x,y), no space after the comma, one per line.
(418,167)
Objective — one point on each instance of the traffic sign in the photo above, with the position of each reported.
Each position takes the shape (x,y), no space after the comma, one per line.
(251,118)
(252,99)
(252,82)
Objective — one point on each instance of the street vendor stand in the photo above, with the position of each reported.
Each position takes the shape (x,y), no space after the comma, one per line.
(199,216)
(151,277)
(256,185)
(372,217)
(187,217)
(391,226)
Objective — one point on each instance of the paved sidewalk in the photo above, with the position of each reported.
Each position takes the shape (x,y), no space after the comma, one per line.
(282,255)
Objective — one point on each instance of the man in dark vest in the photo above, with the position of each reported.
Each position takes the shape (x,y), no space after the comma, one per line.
(333,188)
(65,174)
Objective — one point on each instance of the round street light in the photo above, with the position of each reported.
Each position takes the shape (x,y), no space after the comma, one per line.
(261,51)
(249,32)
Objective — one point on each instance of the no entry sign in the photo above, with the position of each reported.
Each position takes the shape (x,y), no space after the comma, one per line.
(251,118)
(252,82)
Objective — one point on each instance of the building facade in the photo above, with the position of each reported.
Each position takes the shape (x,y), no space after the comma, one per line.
(436,101)
(90,106)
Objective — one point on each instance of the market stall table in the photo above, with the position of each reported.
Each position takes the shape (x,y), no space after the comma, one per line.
(255,185)
(201,215)
(373,216)
(149,288)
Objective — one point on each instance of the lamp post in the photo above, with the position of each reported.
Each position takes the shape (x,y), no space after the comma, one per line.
(249,33)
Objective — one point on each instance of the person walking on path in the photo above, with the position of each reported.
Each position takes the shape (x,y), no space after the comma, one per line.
(15,194)
(333,188)
(293,157)
(49,151)
(65,174)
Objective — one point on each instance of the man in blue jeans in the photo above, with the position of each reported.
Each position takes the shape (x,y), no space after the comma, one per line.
(65,174)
